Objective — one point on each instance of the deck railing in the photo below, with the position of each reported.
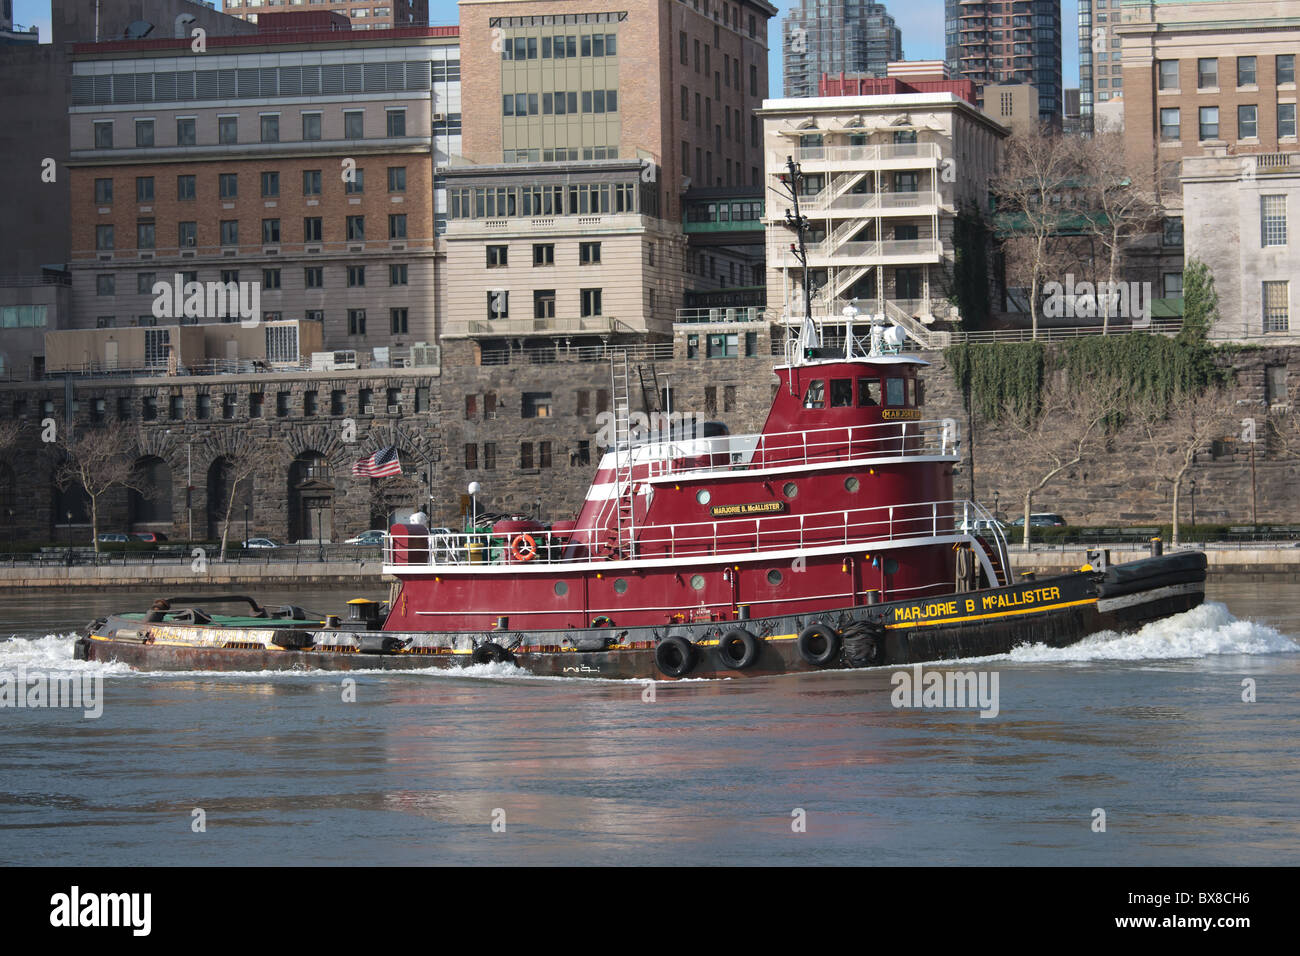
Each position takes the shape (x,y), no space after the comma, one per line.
(752,536)
(654,459)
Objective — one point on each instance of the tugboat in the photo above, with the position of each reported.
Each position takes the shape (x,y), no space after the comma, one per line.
(830,539)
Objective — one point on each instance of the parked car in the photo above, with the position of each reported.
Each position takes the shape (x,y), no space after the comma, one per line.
(259,543)
(114,537)
(1040,520)
(367,537)
(153,537)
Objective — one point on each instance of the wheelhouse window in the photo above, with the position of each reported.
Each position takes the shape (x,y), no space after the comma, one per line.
(815,397)
(841,392)
(868,391)
(895,391)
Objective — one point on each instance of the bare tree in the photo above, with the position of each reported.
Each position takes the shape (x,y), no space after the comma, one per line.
(1283,433)
(238,470)
(1120,204)
(96,462)
(1039,173)
(1282,427)
(10,431)
(1068,428)
(1173,437)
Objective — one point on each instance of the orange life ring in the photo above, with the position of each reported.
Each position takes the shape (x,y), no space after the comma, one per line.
(525,553)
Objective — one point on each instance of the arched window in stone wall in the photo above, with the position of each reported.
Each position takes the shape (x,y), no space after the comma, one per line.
(8,500)
(69,505)
(244,508)
(311,498)
(152,503)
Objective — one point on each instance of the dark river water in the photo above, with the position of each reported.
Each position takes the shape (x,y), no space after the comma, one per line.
(1150,729)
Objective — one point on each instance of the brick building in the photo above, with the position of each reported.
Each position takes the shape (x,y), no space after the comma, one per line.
(365,14)
(1199,75)
(303,162)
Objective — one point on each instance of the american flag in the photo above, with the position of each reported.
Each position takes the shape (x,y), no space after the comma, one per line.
(382,464)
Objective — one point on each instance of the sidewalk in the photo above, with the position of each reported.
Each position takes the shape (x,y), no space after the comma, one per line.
(1280,560)
(180,575)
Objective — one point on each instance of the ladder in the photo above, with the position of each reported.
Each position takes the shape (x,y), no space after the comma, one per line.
(620,389)
(649,390)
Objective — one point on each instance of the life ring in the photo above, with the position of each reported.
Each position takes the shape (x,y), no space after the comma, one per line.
(738,649)
(602,621)
(523,548)
(675,656)
(818,644)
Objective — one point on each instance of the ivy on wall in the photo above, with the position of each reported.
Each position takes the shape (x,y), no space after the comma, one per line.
(1148,367)
(991,375)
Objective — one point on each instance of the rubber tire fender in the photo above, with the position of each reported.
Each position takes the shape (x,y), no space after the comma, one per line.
(675,656)
(864,644)
(805,644)
(749,649)
(491,653)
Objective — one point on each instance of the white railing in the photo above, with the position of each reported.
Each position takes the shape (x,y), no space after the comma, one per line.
(751,536)
(730,453)
(876,249)
(883,152)
(865,202)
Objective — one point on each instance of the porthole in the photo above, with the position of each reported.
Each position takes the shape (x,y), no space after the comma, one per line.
(697,582)
(561,588)
(620,586)
(891,566)
(851,484)
(774,577)
(790,490)
(703,496)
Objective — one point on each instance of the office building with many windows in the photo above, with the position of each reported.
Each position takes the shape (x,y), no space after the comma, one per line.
(299,164)
(597,130)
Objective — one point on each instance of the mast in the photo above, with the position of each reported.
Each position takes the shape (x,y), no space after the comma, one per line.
(792,180)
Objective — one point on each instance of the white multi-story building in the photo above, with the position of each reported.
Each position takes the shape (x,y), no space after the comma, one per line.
(883,179)
(1237,221)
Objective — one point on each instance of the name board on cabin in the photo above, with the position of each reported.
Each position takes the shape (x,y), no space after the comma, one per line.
(900,415)
(750,508)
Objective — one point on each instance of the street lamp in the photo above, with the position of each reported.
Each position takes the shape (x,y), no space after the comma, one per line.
(1193,490)
(69,517)
(320,539)
(245,527)
(996,496)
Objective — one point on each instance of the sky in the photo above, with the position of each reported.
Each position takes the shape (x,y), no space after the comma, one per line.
(920,20)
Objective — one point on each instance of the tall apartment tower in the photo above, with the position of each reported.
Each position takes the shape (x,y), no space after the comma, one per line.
(848,37)
(1006,41)
(1100,77)
(365,14)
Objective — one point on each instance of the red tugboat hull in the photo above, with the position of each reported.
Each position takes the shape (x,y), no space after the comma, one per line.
(1055,611)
